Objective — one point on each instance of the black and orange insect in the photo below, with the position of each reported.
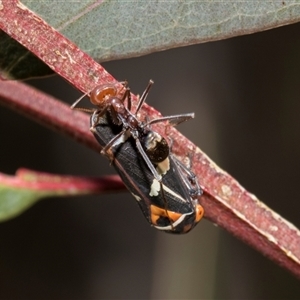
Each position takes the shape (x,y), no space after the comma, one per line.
(166,190)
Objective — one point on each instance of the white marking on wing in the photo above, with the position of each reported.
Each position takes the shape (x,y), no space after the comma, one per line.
(155,189)
(169,227)
(163,167)
(122,139)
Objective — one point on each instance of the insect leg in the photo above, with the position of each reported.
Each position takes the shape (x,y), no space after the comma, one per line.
(147,160)
(144,96)
(98,115)
(173,120)
(127,95)
(156,176)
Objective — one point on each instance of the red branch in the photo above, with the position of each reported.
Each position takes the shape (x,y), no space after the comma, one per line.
(225,201)
(44,182)
(59,53)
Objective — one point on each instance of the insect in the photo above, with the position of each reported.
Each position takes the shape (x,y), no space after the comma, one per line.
(165,189)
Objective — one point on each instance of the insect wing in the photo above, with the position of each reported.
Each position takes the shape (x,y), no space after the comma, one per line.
(172,209)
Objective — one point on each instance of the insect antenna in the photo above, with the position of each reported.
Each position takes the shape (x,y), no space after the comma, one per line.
(79,99)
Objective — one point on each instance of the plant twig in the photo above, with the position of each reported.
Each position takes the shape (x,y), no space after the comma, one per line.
(68,185)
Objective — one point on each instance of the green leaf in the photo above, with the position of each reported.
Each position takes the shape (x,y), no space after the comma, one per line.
(109,30)
(14,201)
(18,193)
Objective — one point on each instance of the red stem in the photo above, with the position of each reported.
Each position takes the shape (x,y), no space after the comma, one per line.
(44,182)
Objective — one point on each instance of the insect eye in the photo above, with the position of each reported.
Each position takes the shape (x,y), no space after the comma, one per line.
(101,93)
